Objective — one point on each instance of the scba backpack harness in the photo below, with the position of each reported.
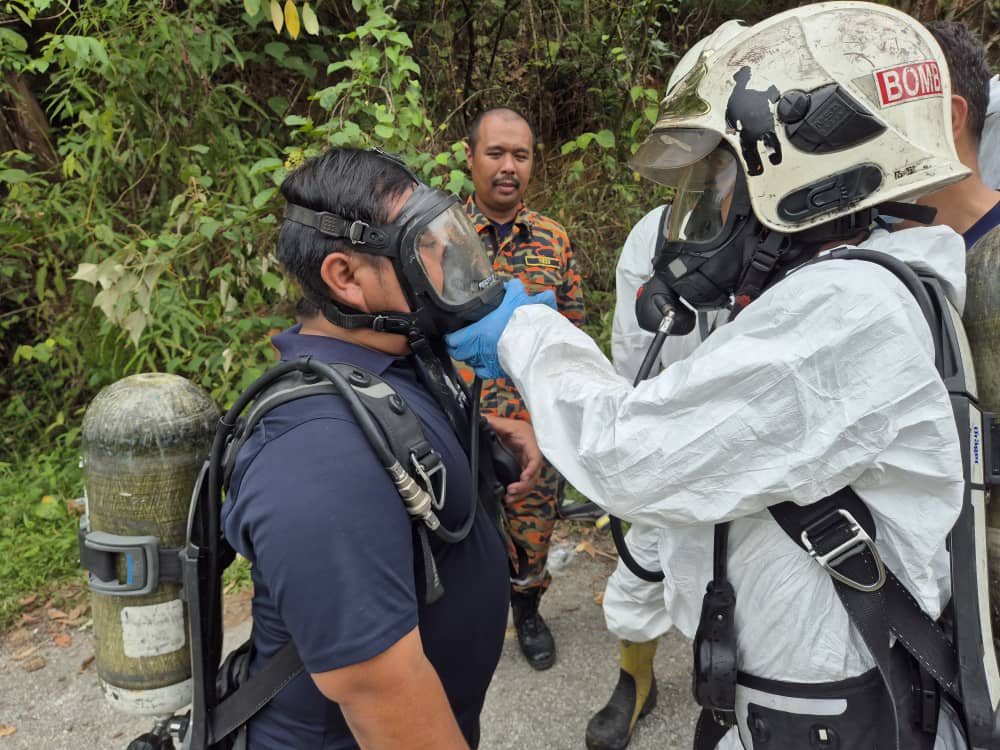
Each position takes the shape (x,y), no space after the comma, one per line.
(224,697)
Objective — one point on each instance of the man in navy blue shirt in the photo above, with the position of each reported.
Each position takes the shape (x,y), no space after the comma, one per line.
(970,207)
(312,508)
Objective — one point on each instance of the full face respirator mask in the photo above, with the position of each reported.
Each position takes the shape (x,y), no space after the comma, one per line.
(439,260)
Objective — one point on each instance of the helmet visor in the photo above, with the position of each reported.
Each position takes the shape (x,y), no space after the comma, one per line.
(704,195)
(665,152)
(452,257)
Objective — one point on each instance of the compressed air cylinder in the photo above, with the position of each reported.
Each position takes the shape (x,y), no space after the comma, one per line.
(982,324)
(145,439)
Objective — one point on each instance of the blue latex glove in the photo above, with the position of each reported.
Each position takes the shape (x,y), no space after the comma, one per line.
(476,344)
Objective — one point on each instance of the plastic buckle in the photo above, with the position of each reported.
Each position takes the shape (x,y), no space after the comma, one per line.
(856,544)
(356,232)
(764,259)
(426,467)
(142,562)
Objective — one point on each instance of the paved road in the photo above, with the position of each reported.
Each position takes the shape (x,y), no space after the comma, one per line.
(59,705)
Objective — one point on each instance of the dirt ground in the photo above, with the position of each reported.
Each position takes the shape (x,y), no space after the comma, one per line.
(50,696)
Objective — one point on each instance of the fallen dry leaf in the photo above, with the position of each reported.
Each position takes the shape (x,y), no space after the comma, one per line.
(56,614)
(19,637)
(62,640)
(24,653)
(27,619)
(86,663)
(230,587)
(26,601)
(33,664)
(77,611)
(599,598)
(6,730)
(587,547)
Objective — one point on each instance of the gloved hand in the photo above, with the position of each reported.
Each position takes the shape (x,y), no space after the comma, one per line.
(653,302)
(476,344)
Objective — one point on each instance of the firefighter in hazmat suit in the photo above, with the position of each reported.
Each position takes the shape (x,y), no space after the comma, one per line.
(784,141)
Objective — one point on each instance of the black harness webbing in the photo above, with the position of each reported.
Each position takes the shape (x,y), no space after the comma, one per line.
(251,696)
(890,607)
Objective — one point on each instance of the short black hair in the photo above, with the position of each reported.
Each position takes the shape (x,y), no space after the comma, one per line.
(969,71)
(356,184)
(473,137)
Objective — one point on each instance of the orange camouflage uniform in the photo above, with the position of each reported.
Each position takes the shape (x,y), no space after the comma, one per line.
(537,251)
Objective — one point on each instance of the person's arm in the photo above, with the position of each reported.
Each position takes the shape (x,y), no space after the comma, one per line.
(569,298)
(519,436)
(792,401)
(394,701)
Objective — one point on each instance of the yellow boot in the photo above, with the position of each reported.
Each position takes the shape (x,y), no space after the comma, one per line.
(634,697)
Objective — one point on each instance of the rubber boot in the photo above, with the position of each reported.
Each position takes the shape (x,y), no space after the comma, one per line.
(634,697)
(533,635)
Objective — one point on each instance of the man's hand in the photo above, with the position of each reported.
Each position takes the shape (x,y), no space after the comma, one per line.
(519,436)
(476,344)
(394,701)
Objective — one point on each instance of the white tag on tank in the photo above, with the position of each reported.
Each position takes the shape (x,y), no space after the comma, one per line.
(154,629)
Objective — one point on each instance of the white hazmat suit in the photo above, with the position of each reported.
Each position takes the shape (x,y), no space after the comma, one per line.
(826,380)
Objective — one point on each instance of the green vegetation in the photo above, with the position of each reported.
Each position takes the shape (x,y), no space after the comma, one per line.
(141,146)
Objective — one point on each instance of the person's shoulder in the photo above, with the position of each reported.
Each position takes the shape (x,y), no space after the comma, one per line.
(543,225)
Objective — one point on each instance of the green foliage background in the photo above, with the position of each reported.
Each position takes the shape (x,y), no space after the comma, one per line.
(138,215)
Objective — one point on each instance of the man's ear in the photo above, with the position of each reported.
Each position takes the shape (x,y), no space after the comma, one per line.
(338,273)
(468,153)
(959,116)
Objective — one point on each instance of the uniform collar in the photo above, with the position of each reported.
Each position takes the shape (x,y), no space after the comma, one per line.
(482,223)
(291,344)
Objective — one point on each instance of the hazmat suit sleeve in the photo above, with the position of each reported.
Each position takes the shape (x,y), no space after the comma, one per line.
(793,400)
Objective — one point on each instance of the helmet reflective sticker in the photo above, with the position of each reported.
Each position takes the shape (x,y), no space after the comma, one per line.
(904,82)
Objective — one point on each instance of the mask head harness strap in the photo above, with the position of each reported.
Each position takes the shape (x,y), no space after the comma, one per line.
(373,240)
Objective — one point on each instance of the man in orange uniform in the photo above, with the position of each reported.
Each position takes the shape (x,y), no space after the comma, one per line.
(526,245)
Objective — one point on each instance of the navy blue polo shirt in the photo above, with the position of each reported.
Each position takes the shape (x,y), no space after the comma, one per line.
(986,222)
(332,550)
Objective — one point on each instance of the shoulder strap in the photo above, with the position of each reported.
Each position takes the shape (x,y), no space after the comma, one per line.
(839,533)
(251,696)
(400,426)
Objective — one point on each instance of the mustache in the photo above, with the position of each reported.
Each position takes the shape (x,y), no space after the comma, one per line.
(511,180)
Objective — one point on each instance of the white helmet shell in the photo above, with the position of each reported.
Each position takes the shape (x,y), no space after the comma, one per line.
(831,108)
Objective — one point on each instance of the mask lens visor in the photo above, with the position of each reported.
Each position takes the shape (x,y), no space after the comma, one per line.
(704,196)
(453,259)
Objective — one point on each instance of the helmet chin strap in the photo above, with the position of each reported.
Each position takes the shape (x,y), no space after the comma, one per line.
(776,253)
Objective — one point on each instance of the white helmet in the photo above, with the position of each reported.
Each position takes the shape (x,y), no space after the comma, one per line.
(810,116)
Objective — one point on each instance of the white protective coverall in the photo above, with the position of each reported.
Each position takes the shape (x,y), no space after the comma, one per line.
(989,144)
(826,380)
(633,608)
